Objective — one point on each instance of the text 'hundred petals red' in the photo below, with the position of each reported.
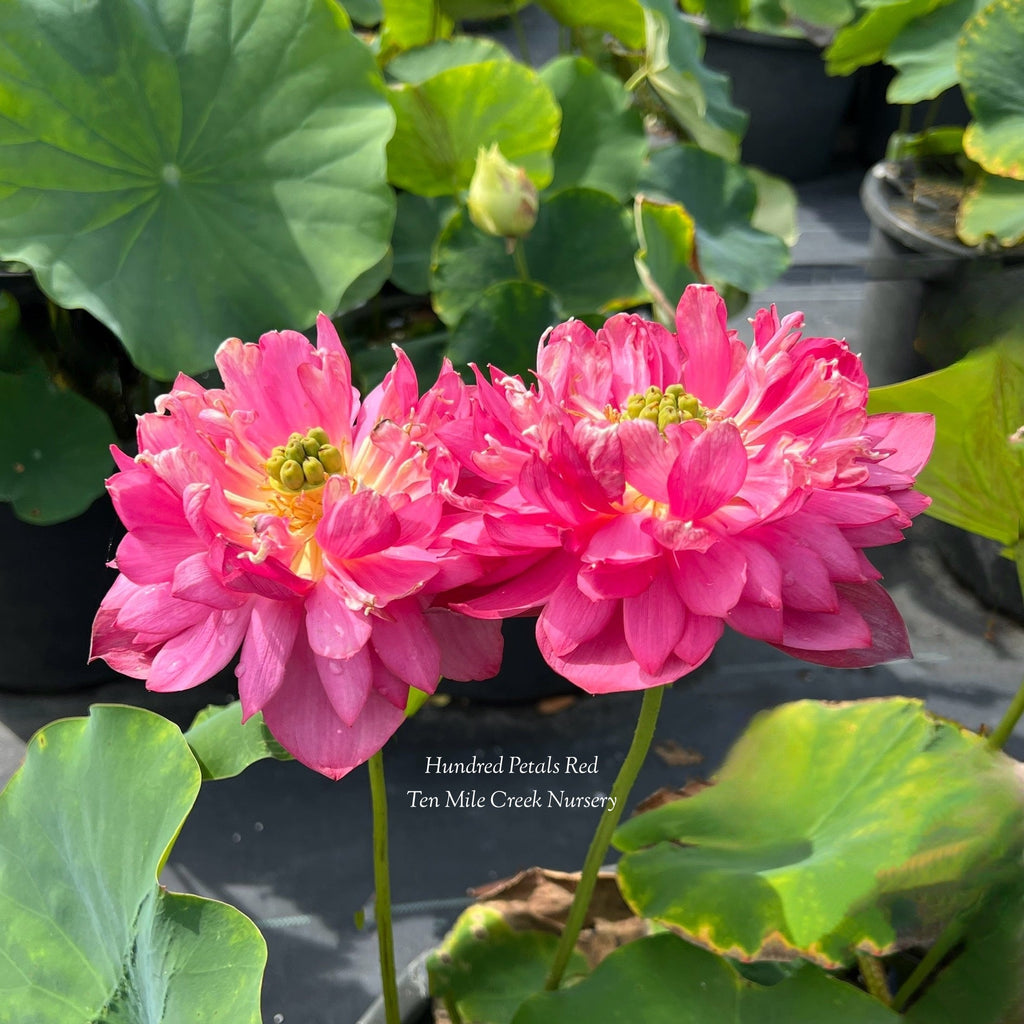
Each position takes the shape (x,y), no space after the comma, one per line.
(651,488)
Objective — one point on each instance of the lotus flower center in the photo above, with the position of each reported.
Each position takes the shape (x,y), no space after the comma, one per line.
(673,405)
(304,463)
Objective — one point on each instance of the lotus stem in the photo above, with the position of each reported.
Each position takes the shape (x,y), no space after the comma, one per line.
(519,257)
(873,972)
(945,942)
(382,889)
(642,737)
(1001,733)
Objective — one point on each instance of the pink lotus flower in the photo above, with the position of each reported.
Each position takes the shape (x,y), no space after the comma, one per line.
(278,515)
(654,487)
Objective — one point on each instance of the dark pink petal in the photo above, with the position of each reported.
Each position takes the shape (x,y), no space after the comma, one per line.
(709,473)
(333,629)
(142,499)
(347,682)
(194,580)
(394,574)
(151,609)
(470,648)
(522,593)
(907,438)
(268,643)
(762,622)
(698,640)
(355,524)
(841,630)
(407,647)
(710,582)
(569,617)
(701,325)
(303,721)
(648,458)
(616,580)
(653,623)
(622,540)
(199,652)
(888,635)
(151,554)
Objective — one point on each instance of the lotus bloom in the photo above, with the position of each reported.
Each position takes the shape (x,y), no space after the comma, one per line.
(654,487)
(280,516)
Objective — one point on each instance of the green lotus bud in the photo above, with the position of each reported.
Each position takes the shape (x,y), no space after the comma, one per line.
(331,458)
(313,471)
(292,476)
(502,199)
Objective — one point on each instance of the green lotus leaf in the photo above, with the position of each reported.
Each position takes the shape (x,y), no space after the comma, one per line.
(775,210)
(981,983)
(828,13)
(87,936)
(602,143)
(924,53)
(620,18)
(485,968)
(581,250)
(411,23)
(504,326)
(224,746)
(992,79)
(364,12)
(373,361)
(722,198)
(188,170)
(992,208)
(665,260)
(367,284)
(417,227)
(483,10)
(56,448)
(697,97)
(975,478)
(443,121)
(831,829)
(415,66)
(867,40)
(662,979)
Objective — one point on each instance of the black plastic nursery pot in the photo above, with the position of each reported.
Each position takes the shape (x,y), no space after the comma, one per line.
(413,997)
(929,298)
(795,108)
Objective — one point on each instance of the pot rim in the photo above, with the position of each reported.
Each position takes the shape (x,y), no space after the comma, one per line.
(413,994)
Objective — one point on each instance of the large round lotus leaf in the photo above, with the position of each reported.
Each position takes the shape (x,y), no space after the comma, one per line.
(225,746)
(414,66)
(56,448)
(86,934)
(622,18)
(581,250)
(831,828)
(992,79)
(443,122)
(867,40)
(993,208)
(188,170)
(417,225)
(722,198)
(665,260)
(664,980)
(602,144)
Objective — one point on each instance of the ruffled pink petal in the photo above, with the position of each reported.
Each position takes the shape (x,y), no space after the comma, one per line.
(347,682)
(710,582)
(842,630)
(151,609)
(522,593)
(151,554)
(357,524)
(708,473)
(303,721)
(698,640)
(266,649)
(470,648)
(648,458)
(906,438)
(616,580)
(194,580)
(333,629)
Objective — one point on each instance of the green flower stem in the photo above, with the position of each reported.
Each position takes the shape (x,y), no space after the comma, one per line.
(872,971)
(1002,731)
(382,886)
(519,257)
(945,942)
(603,835)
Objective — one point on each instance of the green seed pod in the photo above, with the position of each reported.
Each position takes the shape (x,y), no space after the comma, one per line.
(295,452)
(278,450)
(675,390)
(274,464)
(292,476)
(311,445)
(313,472)
(320,435)
(666,416)
(331,459)
(649,412)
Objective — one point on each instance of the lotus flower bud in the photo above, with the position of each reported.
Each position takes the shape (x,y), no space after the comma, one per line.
(502,199)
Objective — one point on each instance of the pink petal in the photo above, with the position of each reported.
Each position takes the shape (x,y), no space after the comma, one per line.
(194,580)
(347,683)
(523,593)
(569,617)
(762,622)
(708,473)
(199,652)
(334,630)
(616,580)
(406,646)
(701,324)
(355,524)
(906,437)
(303,721)
(151,554)
(653,623)
(711,582)
(841,630)
(699,639)
(470,648)
(648,458)
(268,643)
